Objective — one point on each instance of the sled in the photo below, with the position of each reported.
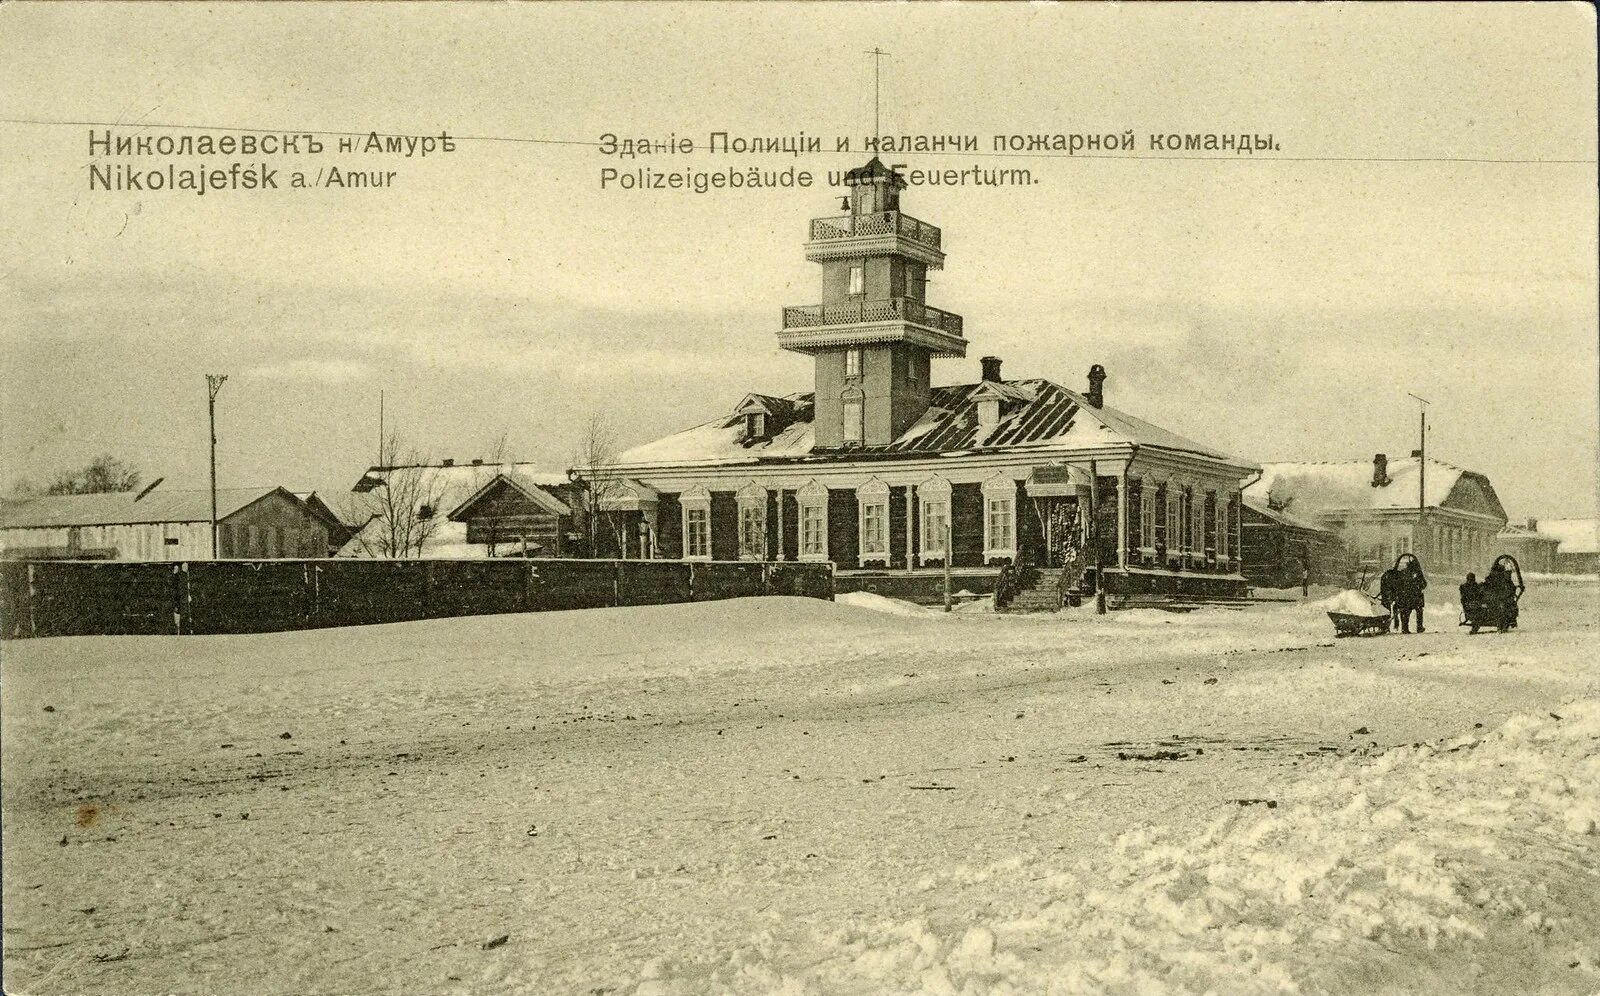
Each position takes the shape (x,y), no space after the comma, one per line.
(1500,616)
(1348,625)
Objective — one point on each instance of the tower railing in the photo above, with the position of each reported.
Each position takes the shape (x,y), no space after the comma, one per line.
(852,226)
(858,312)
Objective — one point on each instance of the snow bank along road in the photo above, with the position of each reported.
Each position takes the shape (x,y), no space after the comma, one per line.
(783,795)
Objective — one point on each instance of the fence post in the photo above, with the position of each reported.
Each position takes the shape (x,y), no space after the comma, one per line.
(177,598)
(616,583)
(766,579)
(691,580)
(33,622)
(527,585)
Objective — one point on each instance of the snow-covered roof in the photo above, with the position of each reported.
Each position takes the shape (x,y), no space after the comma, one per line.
(446,486)
(1038,415)
(521,484)
(1575,535)
(1510,531)
(1317,488)
(1258,504)
(126,508)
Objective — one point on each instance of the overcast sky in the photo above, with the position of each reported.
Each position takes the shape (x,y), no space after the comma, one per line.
(1279,308)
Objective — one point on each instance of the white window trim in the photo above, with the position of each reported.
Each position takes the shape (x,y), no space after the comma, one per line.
(873,493)
(752,496)
(813,495)
(1224,540)
(1172,512)
(935,489)
(999,488)
(1147,519)
(696,499)
(1197,517)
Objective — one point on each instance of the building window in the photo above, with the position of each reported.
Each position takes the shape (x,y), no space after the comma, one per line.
(858,280)
(813,504)
(1173,512)
(853,429)
(696,532)
(696,504)
(999,518)
(852,363)
(752,522)
(1222,526)
(254,547)
(1197,524)
(1147,518)
(755,426)
(872,501)
(935,507)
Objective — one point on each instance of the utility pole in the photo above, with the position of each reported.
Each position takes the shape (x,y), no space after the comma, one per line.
(214,384)
(380,428)
(877,66)
(1422,471)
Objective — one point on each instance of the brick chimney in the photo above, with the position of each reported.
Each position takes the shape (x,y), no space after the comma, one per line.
(448,462)
(991,369)
(1380,470)
(1097,380)
(1533,525)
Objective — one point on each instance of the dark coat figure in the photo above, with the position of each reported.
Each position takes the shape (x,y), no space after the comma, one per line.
(1472,601)
(1500,598)
(1408,596)
(1389,590)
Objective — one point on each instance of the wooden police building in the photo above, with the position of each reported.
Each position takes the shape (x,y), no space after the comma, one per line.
(887,475)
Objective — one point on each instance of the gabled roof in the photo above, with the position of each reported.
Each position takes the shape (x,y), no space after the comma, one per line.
(1040,415)
(1258,505)
(1575,535)
(122,509)
(1311,489)
(522,485)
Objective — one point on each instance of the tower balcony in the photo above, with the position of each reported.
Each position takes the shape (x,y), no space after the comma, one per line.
(813,328)
(883,233)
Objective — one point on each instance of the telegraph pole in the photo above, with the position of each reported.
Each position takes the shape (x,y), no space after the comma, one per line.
(1422,470)
(214,384)
(877,66)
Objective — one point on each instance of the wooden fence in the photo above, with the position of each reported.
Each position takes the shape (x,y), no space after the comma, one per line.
(83,598)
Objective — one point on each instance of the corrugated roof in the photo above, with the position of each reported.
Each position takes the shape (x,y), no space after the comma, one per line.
(1044,415)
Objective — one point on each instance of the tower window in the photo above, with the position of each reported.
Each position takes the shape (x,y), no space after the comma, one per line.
(755,426)
(852,363)
(852,422)
(858,280)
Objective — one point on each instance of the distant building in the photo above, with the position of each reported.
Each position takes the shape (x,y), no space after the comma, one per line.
(1280,549)
(1380,509)
(892,478)
(469,510)
(157,524)
(1534,550)
(1578,545)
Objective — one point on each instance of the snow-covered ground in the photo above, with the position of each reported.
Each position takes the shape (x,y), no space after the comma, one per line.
(782,795)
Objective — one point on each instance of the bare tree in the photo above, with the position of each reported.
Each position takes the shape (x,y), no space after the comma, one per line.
(102,475)
(596,463)
(404,508)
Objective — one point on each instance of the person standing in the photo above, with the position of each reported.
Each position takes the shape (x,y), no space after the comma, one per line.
(1410,599)
(1389,593)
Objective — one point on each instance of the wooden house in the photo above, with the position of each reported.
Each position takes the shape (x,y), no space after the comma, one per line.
(159,524)
(1447,516)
